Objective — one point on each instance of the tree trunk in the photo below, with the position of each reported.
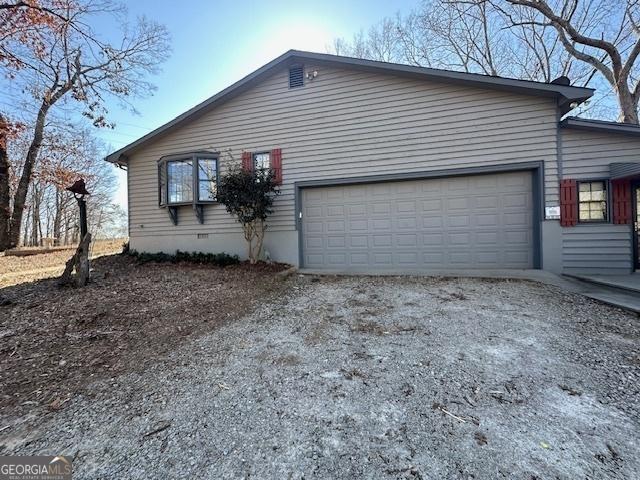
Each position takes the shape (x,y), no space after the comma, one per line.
(260,231)
(67,229)
(5,198)
(25,178)
(57,219)
(80,262)
(35,218)
(628,108)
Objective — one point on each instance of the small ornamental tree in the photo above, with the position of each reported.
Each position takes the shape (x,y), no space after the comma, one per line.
(248,196)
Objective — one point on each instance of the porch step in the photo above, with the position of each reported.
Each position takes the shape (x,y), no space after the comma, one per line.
(630,283)
(618,290)
(622,300)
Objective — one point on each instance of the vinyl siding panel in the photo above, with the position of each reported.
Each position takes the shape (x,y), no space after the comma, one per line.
(347,123)
(601,248)
(587,154)
(597,249)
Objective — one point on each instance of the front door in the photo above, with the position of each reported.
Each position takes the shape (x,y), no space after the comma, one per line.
(635,187)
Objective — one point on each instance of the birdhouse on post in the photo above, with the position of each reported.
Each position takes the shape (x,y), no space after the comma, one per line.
(79,190)
(80,260)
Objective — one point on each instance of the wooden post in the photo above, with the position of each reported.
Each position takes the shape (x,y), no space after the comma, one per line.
(80,262)
(82,205)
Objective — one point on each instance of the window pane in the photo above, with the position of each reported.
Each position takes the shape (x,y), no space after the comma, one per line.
(262,161)
(585,187)
(597,214)
(585,196)
(180,181)
(207,179)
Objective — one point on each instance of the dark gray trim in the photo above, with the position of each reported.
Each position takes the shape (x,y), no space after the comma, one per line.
(559,146)
(164,161)
(601,126)
(173,213)
(565,95)
(537,194)
(537,168)
(178,156)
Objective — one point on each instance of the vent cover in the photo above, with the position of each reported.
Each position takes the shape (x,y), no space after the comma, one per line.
(296,76)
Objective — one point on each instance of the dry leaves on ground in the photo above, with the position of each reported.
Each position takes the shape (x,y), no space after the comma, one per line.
(56,340)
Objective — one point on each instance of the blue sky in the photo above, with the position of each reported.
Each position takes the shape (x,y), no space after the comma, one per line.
(215,43)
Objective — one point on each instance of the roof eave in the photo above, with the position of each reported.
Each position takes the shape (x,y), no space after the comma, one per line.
(601,126)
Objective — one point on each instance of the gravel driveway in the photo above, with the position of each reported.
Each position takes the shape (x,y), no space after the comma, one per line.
(374,378)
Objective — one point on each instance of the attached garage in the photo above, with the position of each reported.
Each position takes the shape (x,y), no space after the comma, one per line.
(483,221)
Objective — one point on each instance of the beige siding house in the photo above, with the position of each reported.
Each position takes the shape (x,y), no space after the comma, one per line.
(390,167)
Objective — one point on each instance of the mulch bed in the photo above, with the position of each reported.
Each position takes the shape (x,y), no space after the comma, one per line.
(55,341)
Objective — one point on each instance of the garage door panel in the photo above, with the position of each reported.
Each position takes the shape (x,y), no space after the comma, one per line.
(335,226)
(407,223)
(382,240)
(357,210)
(406,207)
(406,188)
(433,205)
(459,223)
(458,220)
(361,258)
(517,219)
(358,241)
(432,239)
(381,208)
(407,240)
(383,259)
(457,203)
(358,225)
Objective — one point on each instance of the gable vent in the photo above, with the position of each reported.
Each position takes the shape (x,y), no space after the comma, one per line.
(296,76)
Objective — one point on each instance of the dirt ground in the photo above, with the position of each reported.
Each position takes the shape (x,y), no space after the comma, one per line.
(15,270)
(366,378)
(56,341)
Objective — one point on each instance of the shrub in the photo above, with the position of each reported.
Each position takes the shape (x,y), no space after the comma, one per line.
(218,259)
(248,196)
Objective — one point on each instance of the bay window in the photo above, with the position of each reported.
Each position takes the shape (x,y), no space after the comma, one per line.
(189,179)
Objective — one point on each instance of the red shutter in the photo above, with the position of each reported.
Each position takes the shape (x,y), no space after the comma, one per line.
(621,201)
(247,161)
(568,203)
(276,164)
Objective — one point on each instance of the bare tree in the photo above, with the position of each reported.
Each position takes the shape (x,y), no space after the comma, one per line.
(604,35)
(470,36)
(68,152)
(496,37)
(70,62)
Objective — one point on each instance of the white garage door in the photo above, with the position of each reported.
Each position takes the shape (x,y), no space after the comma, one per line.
(472,222)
